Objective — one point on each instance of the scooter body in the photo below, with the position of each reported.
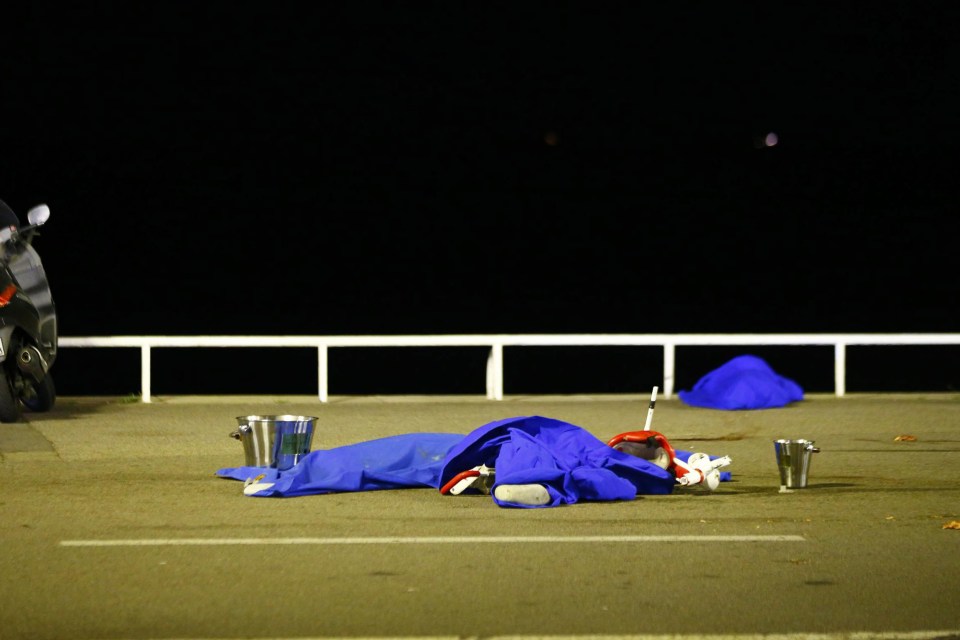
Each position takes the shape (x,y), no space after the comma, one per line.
(28,323)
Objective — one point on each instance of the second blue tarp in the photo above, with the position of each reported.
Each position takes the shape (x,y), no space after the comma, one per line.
(745,382)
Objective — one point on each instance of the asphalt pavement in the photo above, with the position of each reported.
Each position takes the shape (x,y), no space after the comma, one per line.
(114,525)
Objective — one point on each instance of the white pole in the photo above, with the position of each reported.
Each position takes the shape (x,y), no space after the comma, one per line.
(145,373)
(322,379)
(669,364)
(653,402)
(495,372)
(840,368)
(490,374)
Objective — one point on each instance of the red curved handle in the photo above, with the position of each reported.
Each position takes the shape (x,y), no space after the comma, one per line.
(644,436)
(457,478)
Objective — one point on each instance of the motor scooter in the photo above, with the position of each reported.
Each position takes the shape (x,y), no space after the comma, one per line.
(28,322)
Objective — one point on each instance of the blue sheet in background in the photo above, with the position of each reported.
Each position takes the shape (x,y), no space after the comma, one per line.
(572,463)
(745,382)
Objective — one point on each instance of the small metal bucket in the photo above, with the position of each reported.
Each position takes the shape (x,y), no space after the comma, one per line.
(793,461)
(277,442)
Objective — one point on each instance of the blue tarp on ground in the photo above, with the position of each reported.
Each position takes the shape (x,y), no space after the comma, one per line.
(395,462)
(572,463)
(746,382)
(569,461)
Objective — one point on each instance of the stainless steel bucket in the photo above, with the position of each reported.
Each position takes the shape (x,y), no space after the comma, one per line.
(793,461)
(277,442)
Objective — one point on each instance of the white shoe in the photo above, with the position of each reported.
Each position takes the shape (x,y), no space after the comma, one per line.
(528,494)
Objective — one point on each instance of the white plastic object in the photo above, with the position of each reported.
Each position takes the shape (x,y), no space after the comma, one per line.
(653,402)
(256,487)
(712,479)
(701,470)
(528,494)
(483,471)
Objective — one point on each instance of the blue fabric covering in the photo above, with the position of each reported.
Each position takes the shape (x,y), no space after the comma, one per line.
(572,463)
(394,462)
(746,382)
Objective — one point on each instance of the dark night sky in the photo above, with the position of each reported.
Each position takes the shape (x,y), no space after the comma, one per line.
(444,167)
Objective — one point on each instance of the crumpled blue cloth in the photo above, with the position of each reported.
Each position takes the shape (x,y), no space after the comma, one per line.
(745,382)
(569,461)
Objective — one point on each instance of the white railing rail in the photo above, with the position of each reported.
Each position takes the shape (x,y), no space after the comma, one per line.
(497,342)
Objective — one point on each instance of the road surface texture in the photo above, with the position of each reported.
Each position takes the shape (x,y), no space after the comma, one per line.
(114,526)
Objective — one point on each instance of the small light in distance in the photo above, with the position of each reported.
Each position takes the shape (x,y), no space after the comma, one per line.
(551,138)
(771,140)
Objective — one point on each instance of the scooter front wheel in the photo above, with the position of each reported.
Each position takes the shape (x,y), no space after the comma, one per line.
(10,410)
(44,395)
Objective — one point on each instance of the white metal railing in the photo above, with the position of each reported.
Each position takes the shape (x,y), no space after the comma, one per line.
(496,343)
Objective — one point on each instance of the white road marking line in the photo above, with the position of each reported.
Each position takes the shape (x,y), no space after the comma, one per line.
(158,542)
(845,635)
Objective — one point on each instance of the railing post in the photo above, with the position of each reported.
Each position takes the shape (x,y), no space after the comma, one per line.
(495,372)
(322,372)
(668,368)
(840,369)
(145,373)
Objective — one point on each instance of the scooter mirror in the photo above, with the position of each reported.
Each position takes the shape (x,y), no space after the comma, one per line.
(38,215)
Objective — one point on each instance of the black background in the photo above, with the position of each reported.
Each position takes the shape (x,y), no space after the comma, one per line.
(517,167)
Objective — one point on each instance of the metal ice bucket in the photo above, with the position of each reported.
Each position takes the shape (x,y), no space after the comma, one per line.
(793,461)
(277,442)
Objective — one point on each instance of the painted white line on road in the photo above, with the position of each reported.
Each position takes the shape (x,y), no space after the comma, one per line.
(844,635)
(160,542)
